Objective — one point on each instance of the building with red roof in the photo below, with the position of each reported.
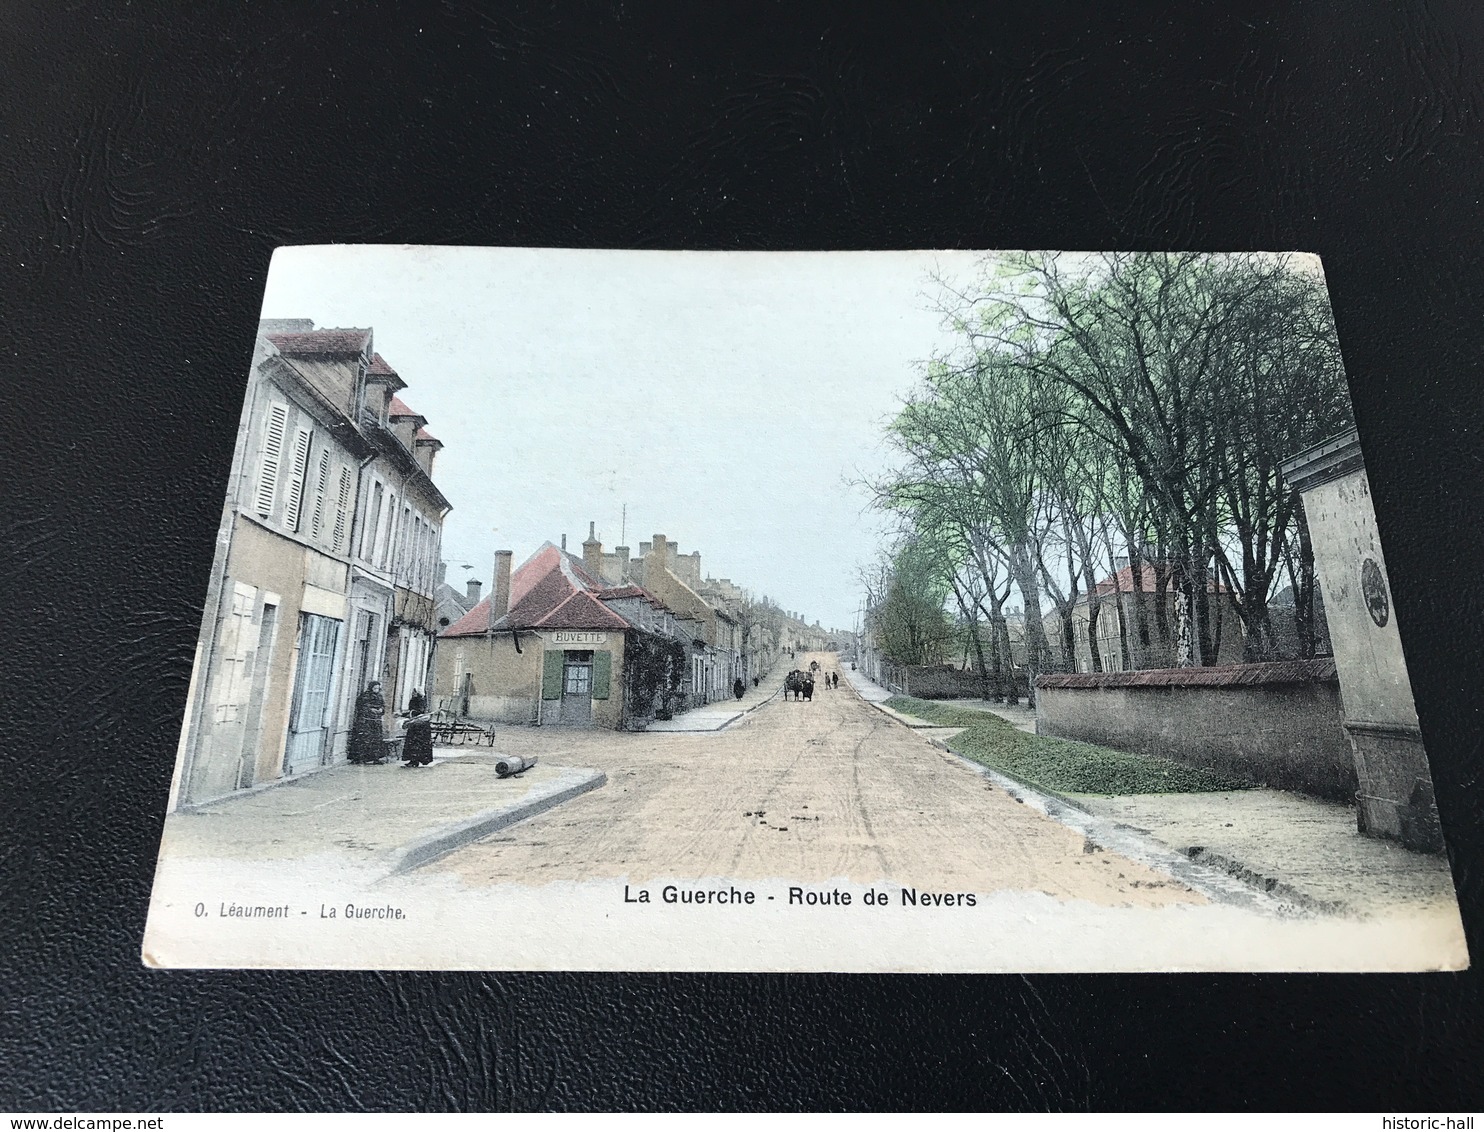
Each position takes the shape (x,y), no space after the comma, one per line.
(1134,623)
(555,644)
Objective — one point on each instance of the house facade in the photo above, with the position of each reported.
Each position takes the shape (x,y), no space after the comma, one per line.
(395,570)
(554,644)
(278,657)
(1138,642)
(715,657)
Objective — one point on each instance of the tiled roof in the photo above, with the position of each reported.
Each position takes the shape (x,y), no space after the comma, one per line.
(550,590)
(424,434)
(398,408)
(629,590)
(1147,582)
(583,611)
(321,342)
(1212,676)
(380,368)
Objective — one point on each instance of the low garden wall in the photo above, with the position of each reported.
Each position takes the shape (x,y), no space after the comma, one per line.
(1275,724)
(939,682)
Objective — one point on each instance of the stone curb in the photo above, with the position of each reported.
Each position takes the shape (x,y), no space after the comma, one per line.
(1215,881)
(1218,882)
(1023,783)
(1196,867)
(445,840)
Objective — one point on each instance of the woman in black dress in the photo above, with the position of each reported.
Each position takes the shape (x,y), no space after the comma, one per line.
(417,741)
(366,736)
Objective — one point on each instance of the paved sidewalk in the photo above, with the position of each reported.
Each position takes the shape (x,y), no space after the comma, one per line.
(377,819)
(716,716)
(1287,844)
(866,688)
(1297,849)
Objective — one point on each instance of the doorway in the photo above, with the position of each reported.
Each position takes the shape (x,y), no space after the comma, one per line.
(577,688)
(309,722)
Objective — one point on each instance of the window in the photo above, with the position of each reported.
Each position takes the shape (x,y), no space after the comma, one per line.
(373,521)
(273,430)
(342,508)
(578,677)
(298,473)
(386,523)
(235,646)
(404,540)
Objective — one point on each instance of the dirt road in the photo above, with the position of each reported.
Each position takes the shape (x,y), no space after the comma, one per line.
(816,791)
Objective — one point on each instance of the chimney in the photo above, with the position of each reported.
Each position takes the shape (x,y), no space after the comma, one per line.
(474,588)
(660,549)
(592,553)
(564,541)
(442,572)
(622,553)
(500,598)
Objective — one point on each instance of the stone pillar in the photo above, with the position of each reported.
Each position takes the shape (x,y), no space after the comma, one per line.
(1395,798)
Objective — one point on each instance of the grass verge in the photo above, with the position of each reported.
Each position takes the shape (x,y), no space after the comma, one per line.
(1062,765)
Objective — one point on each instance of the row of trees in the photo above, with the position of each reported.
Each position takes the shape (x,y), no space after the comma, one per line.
(1109,410)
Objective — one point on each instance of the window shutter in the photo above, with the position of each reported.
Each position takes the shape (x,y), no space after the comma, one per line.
(342,508)
(551,674)
(602,673)
(373,522)
(278,417)
(298,472)
(321,489)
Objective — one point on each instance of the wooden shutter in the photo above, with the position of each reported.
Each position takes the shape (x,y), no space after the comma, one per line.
(373,522)
(602,673)
(321,489)
(272,459)
(298,473)
(551,674)
(342,508)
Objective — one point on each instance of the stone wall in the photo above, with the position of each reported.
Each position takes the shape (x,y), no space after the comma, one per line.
(1276,724)
(938,682)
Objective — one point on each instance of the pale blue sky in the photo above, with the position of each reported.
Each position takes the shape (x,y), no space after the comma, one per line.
(727,397)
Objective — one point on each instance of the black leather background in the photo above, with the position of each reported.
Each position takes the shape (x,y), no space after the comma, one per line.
(152,156)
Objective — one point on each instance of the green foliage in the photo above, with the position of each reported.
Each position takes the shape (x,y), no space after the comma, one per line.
(1122,404)
(910,623)
(1061,765)
(654,675)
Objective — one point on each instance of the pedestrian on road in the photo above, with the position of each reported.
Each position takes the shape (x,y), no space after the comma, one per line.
(738,687)
(417,742)
(366,736)
(417,703)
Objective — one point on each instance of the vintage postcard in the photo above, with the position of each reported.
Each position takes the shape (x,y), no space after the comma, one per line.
(911,611)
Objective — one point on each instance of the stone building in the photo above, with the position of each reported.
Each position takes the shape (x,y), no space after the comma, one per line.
(716,655)
(279,654)
(396,567)
(451,602)
(1147,645)
(555,644)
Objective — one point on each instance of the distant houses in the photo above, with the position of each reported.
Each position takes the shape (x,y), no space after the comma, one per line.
(609,639)
(1135,621)
(555,643)
(329,579)
(326,564)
